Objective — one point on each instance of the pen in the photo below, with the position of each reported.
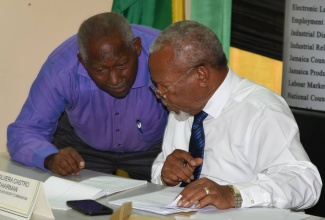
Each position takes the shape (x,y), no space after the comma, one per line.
(139,125)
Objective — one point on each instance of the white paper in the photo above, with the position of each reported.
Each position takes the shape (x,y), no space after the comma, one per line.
(161,202)
(59,190)
(113,184)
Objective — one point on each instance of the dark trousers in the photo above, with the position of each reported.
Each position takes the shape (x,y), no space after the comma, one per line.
(137,164)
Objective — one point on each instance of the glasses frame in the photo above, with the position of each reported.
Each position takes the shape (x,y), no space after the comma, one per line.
(162,95)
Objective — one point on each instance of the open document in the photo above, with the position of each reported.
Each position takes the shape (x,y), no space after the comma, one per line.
(59,190)
(161,202)
(164,202)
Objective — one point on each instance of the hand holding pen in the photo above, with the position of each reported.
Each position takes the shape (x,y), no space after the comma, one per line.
(179,167)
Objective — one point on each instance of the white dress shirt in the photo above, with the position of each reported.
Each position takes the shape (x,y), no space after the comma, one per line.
(251,141)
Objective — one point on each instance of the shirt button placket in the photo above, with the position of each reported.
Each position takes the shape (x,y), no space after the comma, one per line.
(118,145)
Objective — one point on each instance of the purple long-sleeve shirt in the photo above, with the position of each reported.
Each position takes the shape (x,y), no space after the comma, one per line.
(100,120)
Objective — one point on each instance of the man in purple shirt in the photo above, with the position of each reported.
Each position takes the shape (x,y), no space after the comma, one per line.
(96,83)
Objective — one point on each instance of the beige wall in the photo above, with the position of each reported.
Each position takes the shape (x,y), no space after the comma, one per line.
(29,31)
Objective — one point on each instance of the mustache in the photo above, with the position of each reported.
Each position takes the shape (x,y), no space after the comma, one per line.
(118,86)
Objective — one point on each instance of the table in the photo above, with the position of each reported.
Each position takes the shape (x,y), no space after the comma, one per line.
(10,166)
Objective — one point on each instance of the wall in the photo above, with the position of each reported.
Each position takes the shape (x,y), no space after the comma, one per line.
(30,30)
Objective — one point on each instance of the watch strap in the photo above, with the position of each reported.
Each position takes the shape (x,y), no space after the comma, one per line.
(237,195)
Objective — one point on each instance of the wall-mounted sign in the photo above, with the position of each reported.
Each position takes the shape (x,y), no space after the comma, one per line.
(303,82)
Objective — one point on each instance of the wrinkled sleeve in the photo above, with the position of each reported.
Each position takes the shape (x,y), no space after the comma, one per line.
(30,136)
(167,148)
(284,176)
(156,169)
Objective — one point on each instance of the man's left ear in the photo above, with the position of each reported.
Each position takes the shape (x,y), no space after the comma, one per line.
(203,75)
(137,45)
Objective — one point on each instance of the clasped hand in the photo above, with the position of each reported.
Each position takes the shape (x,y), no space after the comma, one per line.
(174,171)
(66,161)
(201,192)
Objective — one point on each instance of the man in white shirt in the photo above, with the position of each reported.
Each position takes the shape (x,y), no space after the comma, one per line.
(252,155)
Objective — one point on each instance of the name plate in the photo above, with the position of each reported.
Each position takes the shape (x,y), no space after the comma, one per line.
(20,197)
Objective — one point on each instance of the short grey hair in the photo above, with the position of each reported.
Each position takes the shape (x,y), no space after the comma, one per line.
(192,43)
(103,25)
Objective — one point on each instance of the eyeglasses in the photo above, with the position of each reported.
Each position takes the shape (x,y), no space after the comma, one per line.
(162,95)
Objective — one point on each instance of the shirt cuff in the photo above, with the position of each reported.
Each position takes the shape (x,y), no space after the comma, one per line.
(252,195)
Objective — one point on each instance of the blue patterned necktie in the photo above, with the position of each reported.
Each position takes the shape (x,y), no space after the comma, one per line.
(197,141)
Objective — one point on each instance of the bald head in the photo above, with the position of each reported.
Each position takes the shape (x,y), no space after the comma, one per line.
(192,43)
(105,25)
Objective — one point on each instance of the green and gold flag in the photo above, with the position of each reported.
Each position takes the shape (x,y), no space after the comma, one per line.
(154,13)
(215,14)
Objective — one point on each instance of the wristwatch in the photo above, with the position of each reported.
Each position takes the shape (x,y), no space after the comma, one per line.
(237,195)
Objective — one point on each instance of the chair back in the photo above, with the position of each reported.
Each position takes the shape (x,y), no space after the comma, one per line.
(311,125)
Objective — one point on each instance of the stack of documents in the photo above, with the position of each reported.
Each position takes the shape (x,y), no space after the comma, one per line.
(59,190)
(162,202)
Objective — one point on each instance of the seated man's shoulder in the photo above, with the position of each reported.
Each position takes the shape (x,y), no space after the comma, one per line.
(253,94)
